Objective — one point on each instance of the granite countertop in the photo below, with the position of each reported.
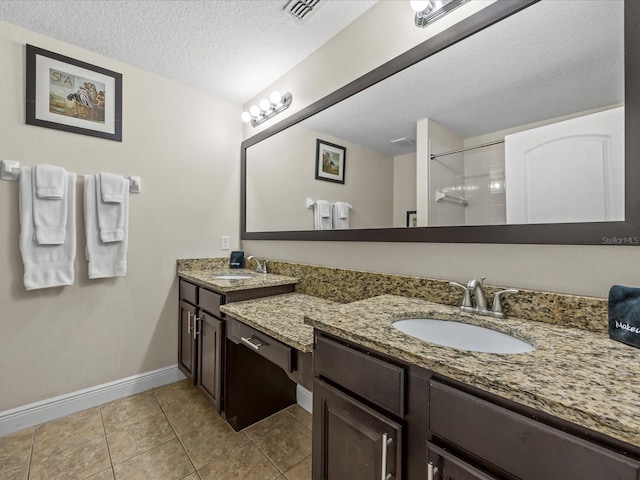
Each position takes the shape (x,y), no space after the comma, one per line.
(206,277)
(580,376)
(280,316)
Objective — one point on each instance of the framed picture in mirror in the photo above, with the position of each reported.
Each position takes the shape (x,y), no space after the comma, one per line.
(330,161)
(412,218)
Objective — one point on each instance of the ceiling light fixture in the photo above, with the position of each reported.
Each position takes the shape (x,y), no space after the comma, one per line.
(428,11)
(267,109)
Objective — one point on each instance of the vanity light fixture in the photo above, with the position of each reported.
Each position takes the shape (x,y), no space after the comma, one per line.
(267,109)
(428,11)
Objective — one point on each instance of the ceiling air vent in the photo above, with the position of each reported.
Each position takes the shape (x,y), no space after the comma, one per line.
(301,10)
(403,142)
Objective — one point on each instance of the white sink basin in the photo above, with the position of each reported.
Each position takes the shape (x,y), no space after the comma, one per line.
(462,336)
(232,277)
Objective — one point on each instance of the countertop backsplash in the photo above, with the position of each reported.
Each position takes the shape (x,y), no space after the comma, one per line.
(346,286)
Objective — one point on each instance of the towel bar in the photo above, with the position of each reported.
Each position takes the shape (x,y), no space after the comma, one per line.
(310,203)
(10,171)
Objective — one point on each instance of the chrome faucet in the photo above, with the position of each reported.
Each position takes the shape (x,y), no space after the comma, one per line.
(479,305)
(261,267)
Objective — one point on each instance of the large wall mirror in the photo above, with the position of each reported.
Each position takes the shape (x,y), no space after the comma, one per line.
(516,125)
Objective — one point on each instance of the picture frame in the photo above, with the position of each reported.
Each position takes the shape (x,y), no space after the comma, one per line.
(330,161)
(412,218)
(70,95)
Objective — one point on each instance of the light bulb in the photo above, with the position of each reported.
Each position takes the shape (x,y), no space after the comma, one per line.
(246,117)
(275,97)
(419,5)
(265,105)
(254,111)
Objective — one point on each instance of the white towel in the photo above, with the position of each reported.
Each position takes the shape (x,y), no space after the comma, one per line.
(46,265)
(49,206)
(105,259)
(322,214)
(112,187)
(111,214)
(341,216)
(50,181)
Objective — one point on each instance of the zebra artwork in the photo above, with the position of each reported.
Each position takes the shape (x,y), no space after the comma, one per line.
(88,102)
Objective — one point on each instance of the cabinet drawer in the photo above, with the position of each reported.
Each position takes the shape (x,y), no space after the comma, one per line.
(375,380)
(210,302)
(525,448)
(188,292)
(264,345)
(448,466)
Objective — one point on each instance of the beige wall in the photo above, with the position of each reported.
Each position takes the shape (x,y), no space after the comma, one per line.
(184,143)
(281,175)
(404,188)
(587,270)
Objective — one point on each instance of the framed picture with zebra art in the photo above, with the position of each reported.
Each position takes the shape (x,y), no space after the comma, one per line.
(67,94)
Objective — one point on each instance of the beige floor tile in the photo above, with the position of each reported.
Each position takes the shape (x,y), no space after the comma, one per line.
(176,393)
(139,437)
(15,449)
(301,471)
(129,410)
(268,424)
(286,445)
(186,416)
(301,415)
(77,462)
(210,440)
(166,462)
(19,473)
(53,437)
(104,475)
(246,462)
(193,476)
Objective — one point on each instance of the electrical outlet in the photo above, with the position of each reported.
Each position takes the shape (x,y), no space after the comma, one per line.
(224,242)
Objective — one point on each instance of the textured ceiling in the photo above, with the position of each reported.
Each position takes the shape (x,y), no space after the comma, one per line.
(231,48)
(556,57)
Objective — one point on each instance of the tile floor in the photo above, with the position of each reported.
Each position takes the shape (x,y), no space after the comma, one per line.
(168,433)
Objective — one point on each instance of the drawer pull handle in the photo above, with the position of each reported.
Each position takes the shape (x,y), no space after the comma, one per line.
(195,326)
(386,442)
(248,342)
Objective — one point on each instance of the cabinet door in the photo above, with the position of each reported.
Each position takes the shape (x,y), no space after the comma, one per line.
(186,344)
(444,466)
(210,335)
(352,441)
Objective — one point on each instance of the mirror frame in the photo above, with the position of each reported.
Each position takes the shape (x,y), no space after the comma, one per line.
(596,233)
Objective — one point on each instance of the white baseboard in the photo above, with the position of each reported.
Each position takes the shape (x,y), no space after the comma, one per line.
(304,398)
(56,407)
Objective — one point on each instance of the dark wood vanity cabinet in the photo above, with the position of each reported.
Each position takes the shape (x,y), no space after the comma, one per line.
(202,335)
(186,340)
(200,340)
(472,437)
(358,410)
(440,429)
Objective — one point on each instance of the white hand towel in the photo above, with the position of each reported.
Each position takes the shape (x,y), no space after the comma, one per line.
(50,181)
(341,216)
(322,215)
(111,215)
(49,205)
(46,265)
(112,187)
(105,259)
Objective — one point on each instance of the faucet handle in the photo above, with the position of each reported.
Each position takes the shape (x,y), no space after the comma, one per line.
(497,306)
(466,300)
